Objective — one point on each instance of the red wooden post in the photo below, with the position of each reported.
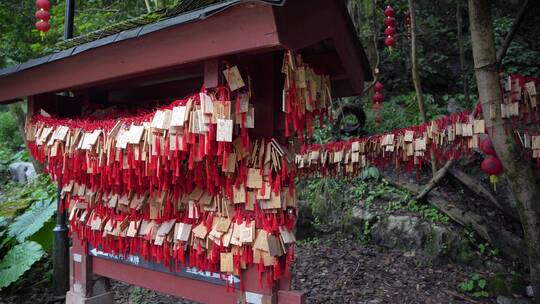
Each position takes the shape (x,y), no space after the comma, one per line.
(85,287)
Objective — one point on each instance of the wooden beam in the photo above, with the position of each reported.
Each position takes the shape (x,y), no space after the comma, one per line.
(238,29)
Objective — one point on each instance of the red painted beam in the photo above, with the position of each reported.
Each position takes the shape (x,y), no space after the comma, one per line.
(162,282)
(238,29)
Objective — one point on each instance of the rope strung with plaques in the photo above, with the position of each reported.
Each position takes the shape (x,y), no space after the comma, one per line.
(450,137)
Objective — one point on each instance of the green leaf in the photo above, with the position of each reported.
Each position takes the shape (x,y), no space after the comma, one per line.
(365,174)
(480,294)
(32,220)
(17,261)
(374,172)
(466,286)
(44,236)
(482,284)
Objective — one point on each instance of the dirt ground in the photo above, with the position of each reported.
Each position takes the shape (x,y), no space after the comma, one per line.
(328,271)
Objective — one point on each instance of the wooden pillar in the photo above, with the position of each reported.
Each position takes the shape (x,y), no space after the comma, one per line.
(84,286)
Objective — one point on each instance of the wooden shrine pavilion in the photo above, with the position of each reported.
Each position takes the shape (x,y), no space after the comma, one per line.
(168,59)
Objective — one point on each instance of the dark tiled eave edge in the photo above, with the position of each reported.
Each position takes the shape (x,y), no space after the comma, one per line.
(199,14)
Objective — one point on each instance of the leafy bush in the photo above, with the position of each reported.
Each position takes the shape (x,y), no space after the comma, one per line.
(10,137)
(475,285)
(24,238)
(401,111)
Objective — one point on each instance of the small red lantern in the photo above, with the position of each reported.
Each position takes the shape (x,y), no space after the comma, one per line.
(390,42)
(492,166)
(407,22)
(378,99)
(389,21)
(43,4)
(43,26)
(389,12)
(43,16)
(487,147)
(390,31)
(378,87)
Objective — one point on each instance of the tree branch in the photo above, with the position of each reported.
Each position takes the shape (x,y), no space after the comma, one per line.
(477,188)
(510,36)
(510,244)
(435,180)
(416,78)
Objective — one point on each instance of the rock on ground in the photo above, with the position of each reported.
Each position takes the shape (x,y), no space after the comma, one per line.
(22,172)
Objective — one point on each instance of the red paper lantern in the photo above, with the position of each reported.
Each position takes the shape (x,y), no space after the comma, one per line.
(378,97)
(407,22)
(407,19)
(389,12)
(390,31)
(377,112)
(43,4)
(389,21)
(378,87)
(492,166)
(487,147)
(43,26)
(43,15)
(390,42)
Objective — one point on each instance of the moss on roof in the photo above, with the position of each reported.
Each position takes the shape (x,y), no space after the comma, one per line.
(183,6)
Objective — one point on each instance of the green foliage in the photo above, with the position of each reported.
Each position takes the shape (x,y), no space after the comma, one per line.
(20,40)
(44,236)
(309,242)
(32,220)
(18,260)
(475,285)
(136,294)
(485,249)
(31,230)
(370,173)
(323,194)
(520,58)
(401,111)
(10,137)
(16,197)
(405,202)
(427,211)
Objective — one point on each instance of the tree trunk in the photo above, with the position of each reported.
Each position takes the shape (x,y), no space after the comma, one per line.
(521,177)
(416,78)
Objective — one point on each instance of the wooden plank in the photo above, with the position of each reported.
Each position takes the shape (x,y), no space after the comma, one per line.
(238,29)
(162,282)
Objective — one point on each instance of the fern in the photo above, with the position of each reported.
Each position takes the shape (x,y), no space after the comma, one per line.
(32,220)
(17,261)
